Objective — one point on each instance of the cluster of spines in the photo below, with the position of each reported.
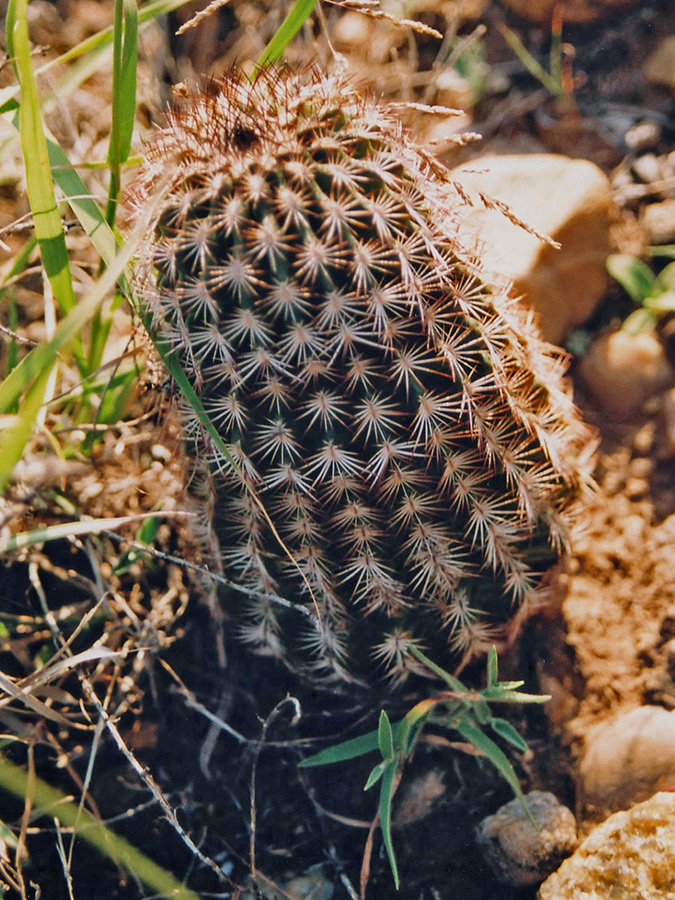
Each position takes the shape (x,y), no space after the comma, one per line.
(403,443)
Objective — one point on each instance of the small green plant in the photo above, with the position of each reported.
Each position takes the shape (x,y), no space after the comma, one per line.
(654,294)
(457,709)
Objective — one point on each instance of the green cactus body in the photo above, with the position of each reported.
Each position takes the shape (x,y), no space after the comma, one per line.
(395,420)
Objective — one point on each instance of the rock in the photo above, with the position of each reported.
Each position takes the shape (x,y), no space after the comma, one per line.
(643,136)
(566,199)
(518,853)
(312,886)
(658,221)
(628,759)
(621,370)
(418,798)
(659,67)
(631,856)
(574,12)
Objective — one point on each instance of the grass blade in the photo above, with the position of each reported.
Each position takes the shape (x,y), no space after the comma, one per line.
(125,45)
(32,372)
(386,795)
(288,29)
(39,183)
(49,800)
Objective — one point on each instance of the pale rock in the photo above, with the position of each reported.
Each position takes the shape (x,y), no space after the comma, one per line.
(566,199)
(518,853)
(628,759)
(574,12)
(631,856)
(621,370)
(659,67)
(658,221)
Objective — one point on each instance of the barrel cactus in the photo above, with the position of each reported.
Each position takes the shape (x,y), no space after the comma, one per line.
(406,454)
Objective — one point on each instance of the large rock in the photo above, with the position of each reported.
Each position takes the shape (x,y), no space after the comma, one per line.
(516,851)
(567,199)
(631,856)
(574,12)
(629,759)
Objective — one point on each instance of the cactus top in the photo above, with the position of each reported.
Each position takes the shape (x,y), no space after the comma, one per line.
(396,422)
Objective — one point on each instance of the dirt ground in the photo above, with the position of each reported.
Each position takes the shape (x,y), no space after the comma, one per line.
(601,648)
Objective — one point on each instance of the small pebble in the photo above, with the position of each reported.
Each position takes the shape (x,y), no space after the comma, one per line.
(622,370)
(517,853)
(658,221)
(643,136)
(648,168)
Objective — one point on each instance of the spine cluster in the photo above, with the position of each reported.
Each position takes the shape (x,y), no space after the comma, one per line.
(404,444)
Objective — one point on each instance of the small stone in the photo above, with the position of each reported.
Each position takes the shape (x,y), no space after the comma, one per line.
(658,222)
(659,67)
(629,759)
(518,853)
(622,370)
(631,856)
(419,798)
(567,199)
(312,886)
(575,12)
(643,136)
(649,168)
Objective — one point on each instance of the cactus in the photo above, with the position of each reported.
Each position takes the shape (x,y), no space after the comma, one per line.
(404,444)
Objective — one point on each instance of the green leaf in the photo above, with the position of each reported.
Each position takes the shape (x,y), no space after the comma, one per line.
(147,533)
(344,751)
(664,303)
(375,775)
(640,320)
(385,739)
(496,756)
(386,794)
(499,694)
(293,22)
(634,276)
(492,667)
(666,278)
(506,730)
(449,679)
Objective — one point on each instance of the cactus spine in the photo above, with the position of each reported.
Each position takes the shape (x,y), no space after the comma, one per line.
(395,419)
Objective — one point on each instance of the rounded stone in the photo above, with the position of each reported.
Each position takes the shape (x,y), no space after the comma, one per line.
(622,370)
(629,759)
(518,853)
